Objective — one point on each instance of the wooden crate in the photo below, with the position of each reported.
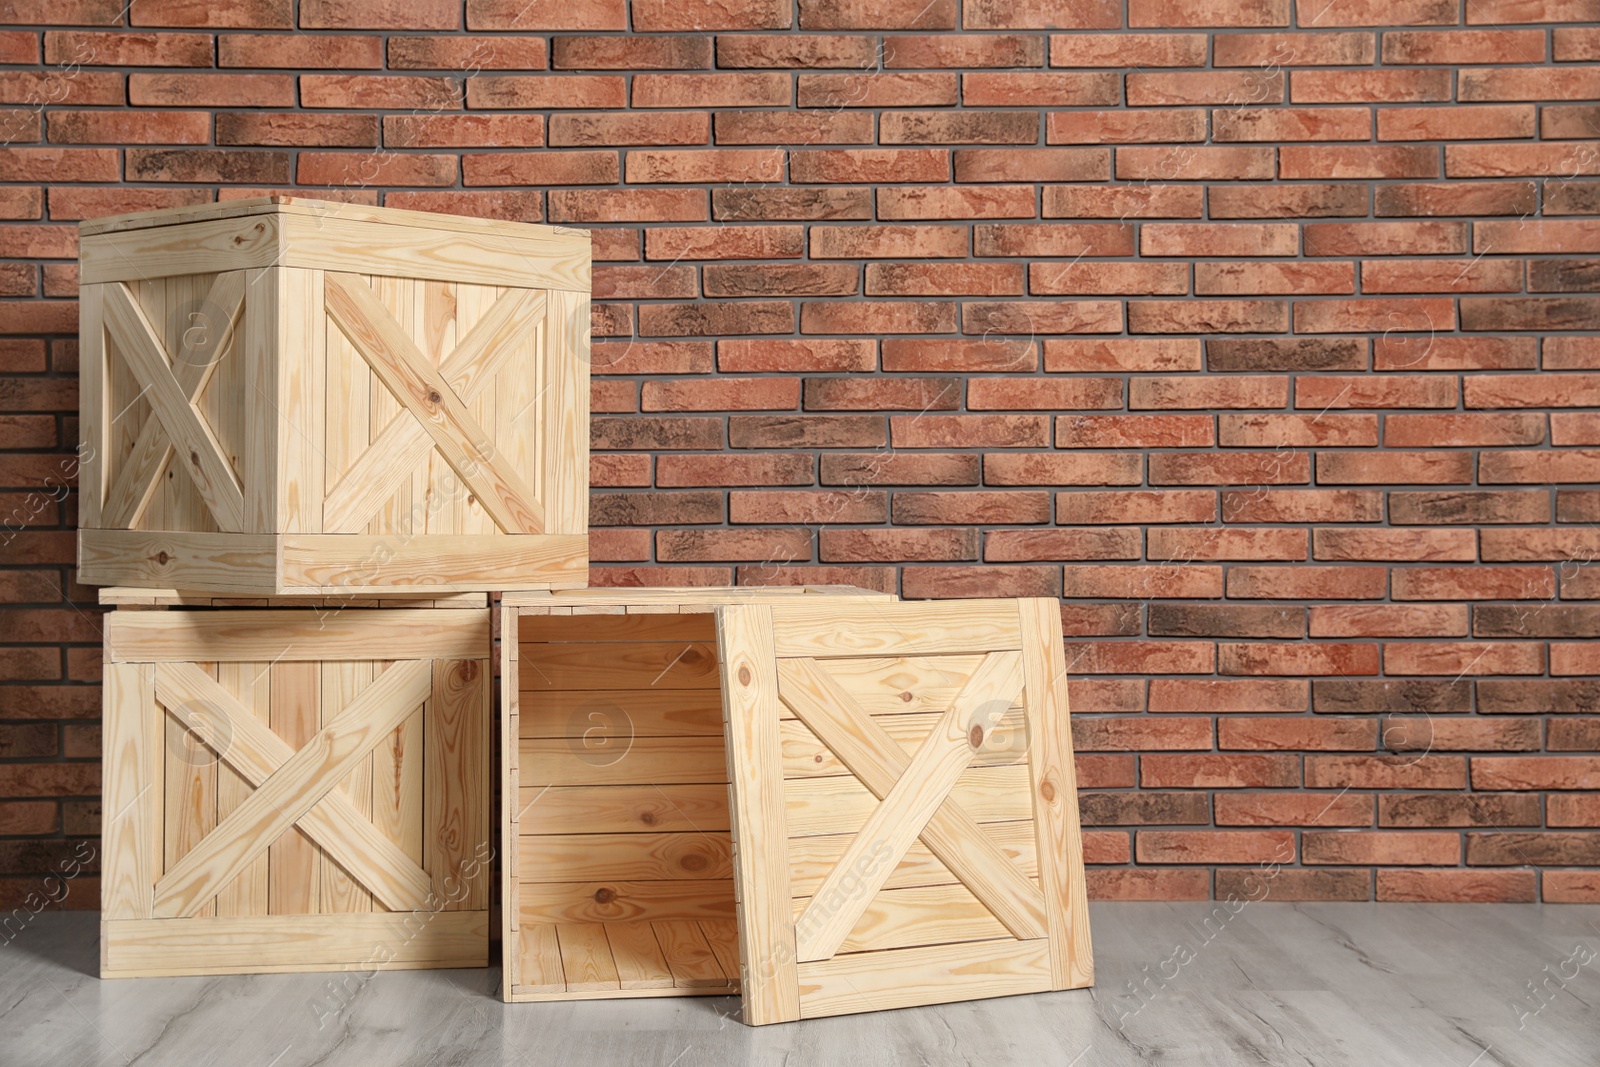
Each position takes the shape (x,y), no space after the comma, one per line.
(284,396)
(830,803)
(295,790)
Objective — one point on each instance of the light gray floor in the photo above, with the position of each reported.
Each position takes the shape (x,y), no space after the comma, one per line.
(1323,984)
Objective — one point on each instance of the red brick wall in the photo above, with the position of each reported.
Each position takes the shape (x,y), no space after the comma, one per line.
(1261,332)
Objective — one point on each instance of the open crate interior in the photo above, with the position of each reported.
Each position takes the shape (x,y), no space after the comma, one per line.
(619,877)
(624,861)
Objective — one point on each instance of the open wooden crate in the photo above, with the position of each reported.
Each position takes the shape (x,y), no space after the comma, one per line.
(295,790)
(285,396)
(823,799)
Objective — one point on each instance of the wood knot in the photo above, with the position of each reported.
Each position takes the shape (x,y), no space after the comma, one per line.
(648,818)
(1047,789)
(194,457)
(818,757)
(975,736)
(744,675)
(162,558)
(907,697)
(604,895)
(695,862)
(433,396)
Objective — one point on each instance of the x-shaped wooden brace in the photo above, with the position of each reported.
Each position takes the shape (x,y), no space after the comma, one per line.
(913,793)
(435,401)
(172,386)
(294,788)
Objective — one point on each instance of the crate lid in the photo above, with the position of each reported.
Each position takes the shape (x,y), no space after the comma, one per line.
(297,205)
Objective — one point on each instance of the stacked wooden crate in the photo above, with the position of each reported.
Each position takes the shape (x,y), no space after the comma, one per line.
(314,437)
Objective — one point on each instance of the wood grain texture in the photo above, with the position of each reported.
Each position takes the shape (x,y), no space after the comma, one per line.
(810,628)
(206,465)
(927,780)
(902,978)
(133,790)
(869,750)
(276,944)
(457,832)
(1055,794)
(638,956)
(767,948)
(563,412)
(296,636)
(300,783)
(431,401)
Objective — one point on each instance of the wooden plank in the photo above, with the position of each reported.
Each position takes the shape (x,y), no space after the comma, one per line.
(621,809)
(363,563)
(927,780)
(811,858)
(258,344)
(339,243)
(220,563)
(334,824)
(132,791)
(511,962)
(279,944)
(315,210)
(433,403)
(538,956)
(924,915)
(588,629)
(400,443)
(94,413)
(865,745)
(456,806)
(638,957)
(397,786)
(903,978)
(199,353)
(302,400)
(586,956)
(433,330)
(189,808)
(643,712)
(723,937)
(611,665)
(756,797)
(348,430)
(841,805)
(164,252)
(625,857)
(342,681)
(607,758)
(1055,796)
(303,780)
(899,685)
(123,595)
(472,303)
(810,628)
(804,754)
(250,684)
(694,598)
(522,996)
(299,636)
(296,692)
(614,901)
(206,463)
(564,417)
(688,955)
